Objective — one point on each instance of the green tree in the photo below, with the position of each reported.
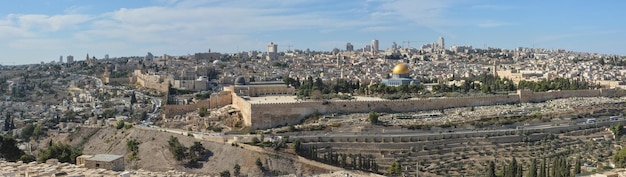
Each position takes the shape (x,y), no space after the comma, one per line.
(395,169)
(9,150)
(532,170)
(542,169)
(297,145)
(225,173)
(237,170)
(202,111)
(26,158)
(577,165)
(617,129)
(27,131)
(620,158)
(373,117)
(63,152)
(38,131)
(7,122)
(177,149)
(491,169)
(259,164)
(120,124)
(133,98)
(132,146)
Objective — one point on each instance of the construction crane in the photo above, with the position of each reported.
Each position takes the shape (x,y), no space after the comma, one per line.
(409,43)
(289,47)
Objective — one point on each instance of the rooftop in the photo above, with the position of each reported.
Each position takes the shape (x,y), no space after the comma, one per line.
(104,157)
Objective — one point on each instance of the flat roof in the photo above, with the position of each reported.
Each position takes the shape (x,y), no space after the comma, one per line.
(104,157)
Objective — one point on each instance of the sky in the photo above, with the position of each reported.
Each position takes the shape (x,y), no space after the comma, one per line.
(32,31)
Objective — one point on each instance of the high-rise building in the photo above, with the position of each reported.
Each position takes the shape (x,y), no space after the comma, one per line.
(394,46)
(70,59)
(374,46)
(441,43)
(106,56)
(349,47)
(149,57)
(61,59)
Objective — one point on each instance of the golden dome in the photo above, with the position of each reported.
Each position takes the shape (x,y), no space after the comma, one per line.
(400,69)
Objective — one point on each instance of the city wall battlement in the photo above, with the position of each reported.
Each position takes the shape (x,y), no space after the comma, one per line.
(266,115)
(272,114)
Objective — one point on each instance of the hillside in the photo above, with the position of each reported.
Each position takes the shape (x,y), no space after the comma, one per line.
(154,154)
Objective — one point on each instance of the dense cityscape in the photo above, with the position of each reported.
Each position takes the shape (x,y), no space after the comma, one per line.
(422,103)
(312,88)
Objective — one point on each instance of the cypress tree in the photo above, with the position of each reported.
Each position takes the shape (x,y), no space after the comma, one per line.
(577,165)
(491,170)
(542,169)
(532,170)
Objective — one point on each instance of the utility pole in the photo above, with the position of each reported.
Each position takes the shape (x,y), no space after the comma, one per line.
(417,168)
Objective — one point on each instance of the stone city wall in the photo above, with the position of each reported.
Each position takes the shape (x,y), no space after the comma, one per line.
(173,110)
(266,115)
(149,81)
(220,99)
(245,108)
(529,96)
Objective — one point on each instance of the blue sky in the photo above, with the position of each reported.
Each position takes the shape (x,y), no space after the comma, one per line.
(32,31)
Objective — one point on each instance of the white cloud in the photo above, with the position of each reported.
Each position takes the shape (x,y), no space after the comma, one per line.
(431,14)
(175,26)
(49,23)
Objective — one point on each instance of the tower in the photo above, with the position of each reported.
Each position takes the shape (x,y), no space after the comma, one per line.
(70,59)
(61,59)
(374,46)
(441,43)
(349,47)
(272,50)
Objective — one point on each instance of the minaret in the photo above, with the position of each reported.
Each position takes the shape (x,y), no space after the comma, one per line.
(495,69)
(341,73)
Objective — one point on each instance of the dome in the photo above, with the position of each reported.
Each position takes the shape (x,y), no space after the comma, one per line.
(240,81)
(400,69)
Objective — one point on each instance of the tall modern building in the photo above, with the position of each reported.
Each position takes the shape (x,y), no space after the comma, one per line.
(442,45)
(374,46)
(349,47)
(70,59)
(106,56)
(149,57)
(61,59)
